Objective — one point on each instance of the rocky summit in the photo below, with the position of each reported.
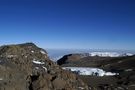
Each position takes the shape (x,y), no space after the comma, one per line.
(28,67)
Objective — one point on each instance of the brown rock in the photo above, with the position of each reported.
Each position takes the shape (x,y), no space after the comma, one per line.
(27,67)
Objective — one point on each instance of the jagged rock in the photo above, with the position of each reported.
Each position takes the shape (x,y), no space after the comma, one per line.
(27,67)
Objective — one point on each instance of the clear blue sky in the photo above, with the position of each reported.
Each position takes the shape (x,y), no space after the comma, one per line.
(96,24)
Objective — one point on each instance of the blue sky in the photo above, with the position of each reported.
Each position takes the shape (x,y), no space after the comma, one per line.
(82,24)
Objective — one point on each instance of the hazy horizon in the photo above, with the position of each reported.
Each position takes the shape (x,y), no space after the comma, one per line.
(56,54)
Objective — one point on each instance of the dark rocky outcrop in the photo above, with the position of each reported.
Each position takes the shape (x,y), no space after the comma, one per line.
(27,67)
(70,58)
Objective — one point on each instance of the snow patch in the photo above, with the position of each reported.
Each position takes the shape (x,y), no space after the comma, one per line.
(110,74)
(38,62)
(32,51)
(37,67)
(129,54)
(89,71)
(43,52)
(44,68)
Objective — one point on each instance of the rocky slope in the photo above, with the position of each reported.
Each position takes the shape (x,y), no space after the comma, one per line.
(27,67)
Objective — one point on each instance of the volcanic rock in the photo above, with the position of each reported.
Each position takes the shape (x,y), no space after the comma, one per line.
(28,67)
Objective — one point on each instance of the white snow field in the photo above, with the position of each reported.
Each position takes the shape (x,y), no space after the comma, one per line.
(89,71)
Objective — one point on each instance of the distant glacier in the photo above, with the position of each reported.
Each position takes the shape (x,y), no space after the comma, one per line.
(56,54)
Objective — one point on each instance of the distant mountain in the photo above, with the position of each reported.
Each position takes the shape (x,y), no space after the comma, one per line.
(87,58)
(107,71)
(56,54)
(109,54)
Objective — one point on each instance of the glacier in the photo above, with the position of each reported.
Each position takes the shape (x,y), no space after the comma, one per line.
(109,54)
(89,71)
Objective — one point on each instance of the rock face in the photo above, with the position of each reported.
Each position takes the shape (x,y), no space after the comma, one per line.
(27,67)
